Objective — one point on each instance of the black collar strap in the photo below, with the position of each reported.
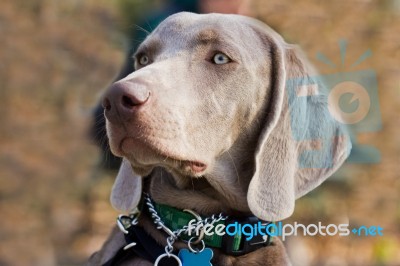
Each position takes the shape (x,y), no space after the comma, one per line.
(147,248)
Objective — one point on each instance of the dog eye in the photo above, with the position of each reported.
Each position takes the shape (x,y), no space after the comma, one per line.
(220,59)
(143,60)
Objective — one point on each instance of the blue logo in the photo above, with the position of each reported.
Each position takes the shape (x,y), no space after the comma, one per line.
(282,230)
(351,98)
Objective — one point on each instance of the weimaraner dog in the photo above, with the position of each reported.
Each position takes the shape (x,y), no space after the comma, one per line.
(207,123)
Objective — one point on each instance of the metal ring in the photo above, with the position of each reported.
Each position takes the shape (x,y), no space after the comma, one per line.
(198,217)
(130,245)
(121,226)
(193,250)
(169,256)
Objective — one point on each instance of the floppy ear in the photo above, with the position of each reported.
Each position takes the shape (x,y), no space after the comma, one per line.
(127,189)
(300,144)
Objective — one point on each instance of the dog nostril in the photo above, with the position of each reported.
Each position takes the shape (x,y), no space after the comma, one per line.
(127,102)
(131,100)
(106,104)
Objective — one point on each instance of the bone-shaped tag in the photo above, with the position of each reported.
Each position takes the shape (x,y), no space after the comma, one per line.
(202,258)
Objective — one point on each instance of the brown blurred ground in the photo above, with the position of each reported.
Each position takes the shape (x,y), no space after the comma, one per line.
(56,56)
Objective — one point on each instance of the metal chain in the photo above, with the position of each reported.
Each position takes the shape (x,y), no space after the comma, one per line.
(202,223)
(125,222)
(185,229)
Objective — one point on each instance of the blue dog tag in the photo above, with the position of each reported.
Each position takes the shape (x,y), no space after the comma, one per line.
(202,258)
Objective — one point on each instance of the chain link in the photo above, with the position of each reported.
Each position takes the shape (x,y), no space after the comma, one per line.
(185,229)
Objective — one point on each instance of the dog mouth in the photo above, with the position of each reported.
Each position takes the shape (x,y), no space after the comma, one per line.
(194,167)
(144,154)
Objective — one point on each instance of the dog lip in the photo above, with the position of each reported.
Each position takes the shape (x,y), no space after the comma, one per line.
(195,166)
(189,166)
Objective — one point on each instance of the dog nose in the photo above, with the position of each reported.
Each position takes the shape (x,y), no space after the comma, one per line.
(123,98)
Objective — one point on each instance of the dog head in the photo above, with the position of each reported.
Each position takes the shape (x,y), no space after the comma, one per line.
(210,95)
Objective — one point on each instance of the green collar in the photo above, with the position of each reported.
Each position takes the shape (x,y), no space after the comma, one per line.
(237,244)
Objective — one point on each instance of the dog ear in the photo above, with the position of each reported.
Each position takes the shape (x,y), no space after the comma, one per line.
(127,189)
(300,144)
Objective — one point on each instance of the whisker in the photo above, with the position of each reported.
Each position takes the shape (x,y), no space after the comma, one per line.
(142,29)
(234,165)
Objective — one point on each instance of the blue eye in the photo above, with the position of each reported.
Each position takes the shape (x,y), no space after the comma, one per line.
(220,59)
(144,60)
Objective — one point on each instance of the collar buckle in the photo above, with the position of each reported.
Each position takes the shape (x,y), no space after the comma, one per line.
(125,222)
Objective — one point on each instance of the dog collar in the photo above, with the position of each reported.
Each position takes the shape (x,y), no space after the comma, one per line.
(140,243)
(232,244)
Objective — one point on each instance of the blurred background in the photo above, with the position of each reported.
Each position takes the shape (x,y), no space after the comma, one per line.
(57,56)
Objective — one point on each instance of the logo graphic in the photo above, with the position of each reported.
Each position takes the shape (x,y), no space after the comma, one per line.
(358,94)
(249,231)
(352,100)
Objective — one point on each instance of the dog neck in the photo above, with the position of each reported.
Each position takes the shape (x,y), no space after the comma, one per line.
(221,190)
